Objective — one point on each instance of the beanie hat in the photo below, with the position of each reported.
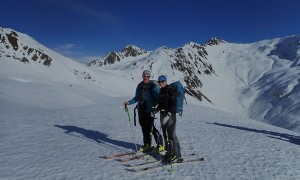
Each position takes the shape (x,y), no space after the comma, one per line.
(162,78)
(147,72)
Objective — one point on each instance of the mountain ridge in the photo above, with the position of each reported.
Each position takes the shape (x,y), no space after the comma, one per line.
(248,67)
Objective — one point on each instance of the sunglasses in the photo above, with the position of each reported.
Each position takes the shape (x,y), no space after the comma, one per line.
(146,76)
(160,81)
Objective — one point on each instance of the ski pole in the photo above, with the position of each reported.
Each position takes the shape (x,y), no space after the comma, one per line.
(135,115)
(133,135)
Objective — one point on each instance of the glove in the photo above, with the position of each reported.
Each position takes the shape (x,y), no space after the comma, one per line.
(166,118)
(154,110)
(126,103)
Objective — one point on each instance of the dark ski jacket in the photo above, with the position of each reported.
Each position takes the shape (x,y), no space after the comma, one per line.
(167,99)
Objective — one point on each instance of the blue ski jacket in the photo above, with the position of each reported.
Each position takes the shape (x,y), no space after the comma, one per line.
(146,95)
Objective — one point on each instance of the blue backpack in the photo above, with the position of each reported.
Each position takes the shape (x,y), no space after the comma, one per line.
(180,96)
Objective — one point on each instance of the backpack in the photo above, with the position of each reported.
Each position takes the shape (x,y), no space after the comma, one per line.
(155,83)
(180,96)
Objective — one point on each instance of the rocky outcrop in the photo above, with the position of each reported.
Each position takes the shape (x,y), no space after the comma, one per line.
(130,51)
(12,46)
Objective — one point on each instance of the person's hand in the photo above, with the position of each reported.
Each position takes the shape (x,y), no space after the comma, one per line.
(153,112)
(126,103)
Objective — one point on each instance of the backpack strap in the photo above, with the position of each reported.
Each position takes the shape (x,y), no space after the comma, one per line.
(149,86)
(151,93)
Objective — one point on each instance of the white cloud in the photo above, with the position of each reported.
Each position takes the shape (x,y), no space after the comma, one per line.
(86,59)
(69,49)
(75,52)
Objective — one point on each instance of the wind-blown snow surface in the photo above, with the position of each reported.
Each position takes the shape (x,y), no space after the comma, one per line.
(68,144)
(51,130)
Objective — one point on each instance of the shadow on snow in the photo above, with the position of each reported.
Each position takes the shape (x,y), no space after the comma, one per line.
(96,136)
(281,136)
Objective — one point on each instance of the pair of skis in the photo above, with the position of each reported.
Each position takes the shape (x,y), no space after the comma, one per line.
(160,164)
(150,165)
(129,156)
(122,155)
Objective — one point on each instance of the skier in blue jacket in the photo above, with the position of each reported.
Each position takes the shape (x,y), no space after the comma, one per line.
(147,95)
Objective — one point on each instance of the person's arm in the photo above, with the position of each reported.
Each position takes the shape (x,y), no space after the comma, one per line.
(135,98)
(172,99)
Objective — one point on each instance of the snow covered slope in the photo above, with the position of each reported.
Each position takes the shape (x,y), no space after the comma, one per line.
(28,80)
(258,80)
(266,78)
(69,144)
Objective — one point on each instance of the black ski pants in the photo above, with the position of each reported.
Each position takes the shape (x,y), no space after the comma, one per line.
(168,124)
(147,124)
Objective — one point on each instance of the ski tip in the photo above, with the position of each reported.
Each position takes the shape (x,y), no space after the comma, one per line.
(131,170)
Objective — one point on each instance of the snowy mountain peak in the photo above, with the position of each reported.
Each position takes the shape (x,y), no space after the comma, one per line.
(186,63)
(132,51)
(11,36)
(191,45)
(112,58)
(214,41)
(18,46)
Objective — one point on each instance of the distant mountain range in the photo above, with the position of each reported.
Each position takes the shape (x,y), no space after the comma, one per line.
(260,80)
(190,60)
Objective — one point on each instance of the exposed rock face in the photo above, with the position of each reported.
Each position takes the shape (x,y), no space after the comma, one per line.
(214,41)
(12,45)
(189,60)
(130,51)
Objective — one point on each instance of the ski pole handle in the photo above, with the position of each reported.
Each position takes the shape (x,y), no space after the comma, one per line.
(126,109)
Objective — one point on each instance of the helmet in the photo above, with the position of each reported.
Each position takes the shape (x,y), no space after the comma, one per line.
(162,78)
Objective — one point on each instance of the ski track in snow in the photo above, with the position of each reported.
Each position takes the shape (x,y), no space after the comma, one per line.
(68,144)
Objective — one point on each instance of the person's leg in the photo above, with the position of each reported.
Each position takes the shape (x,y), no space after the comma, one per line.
(145,124)
(171,131)
(164,131)
(157,136)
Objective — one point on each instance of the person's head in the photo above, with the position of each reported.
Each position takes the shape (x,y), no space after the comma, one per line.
(146,76)
(162,81)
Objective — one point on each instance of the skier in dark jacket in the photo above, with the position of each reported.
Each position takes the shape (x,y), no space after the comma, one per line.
(167,108)
(146,95)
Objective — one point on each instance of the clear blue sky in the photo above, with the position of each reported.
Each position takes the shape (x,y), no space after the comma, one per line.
(82,28)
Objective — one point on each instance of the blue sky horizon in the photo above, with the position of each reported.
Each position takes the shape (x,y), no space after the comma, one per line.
(83,30)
